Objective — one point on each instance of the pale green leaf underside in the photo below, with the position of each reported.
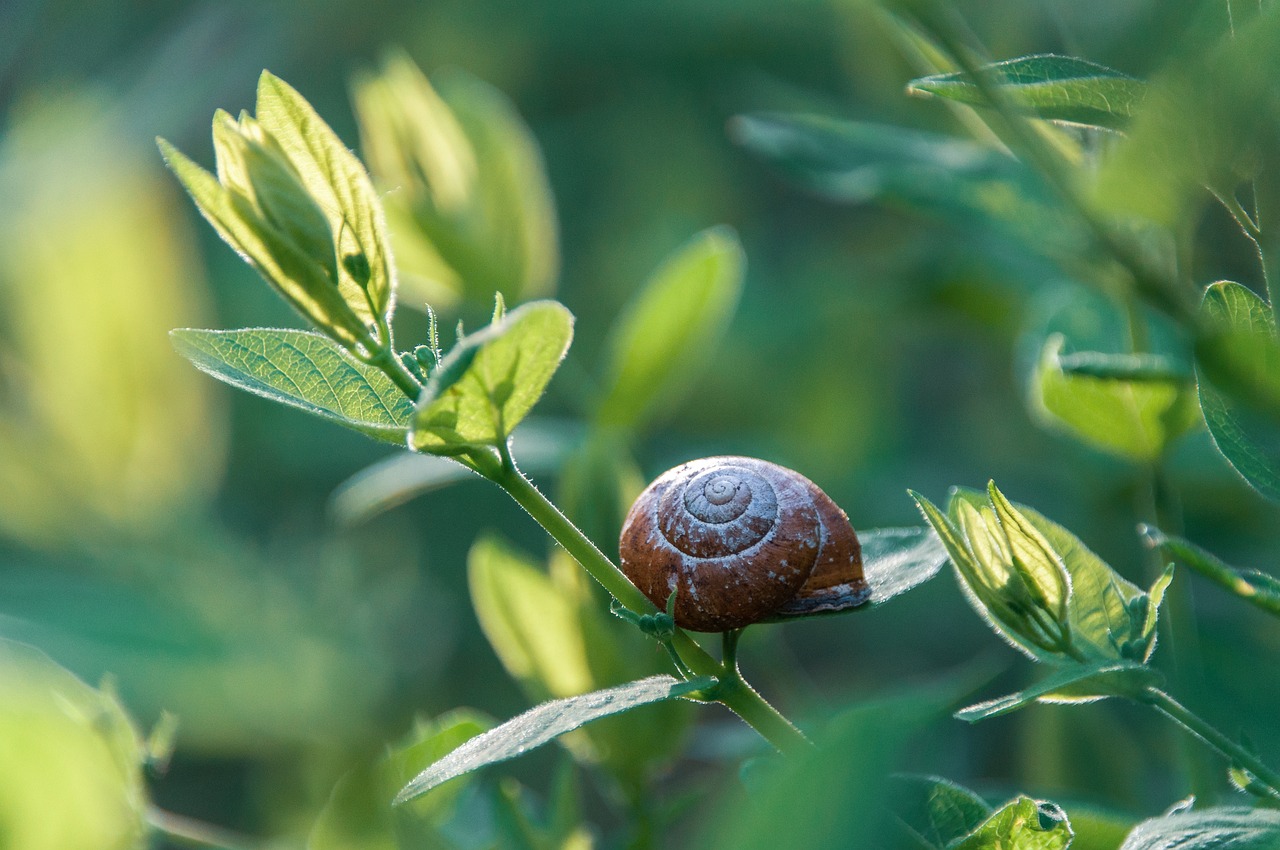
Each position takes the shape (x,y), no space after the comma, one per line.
(303,370)
(677,318)
(1248,439)
(1077,683)
(894,560)
(1021,824)
(1208,829)
(492,379)
(1135,417)
(1060,88)
(543,724)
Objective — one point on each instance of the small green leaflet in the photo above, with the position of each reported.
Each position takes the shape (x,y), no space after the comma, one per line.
(1057,88)
(303,370)
(543,724)
(936,811)
(1208,829)
(491,379)
(1244,359)
(675,321)
(1021,824)
(1128,405)
(1076,683)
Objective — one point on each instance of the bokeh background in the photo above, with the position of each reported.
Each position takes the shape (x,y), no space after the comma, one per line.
(178,538)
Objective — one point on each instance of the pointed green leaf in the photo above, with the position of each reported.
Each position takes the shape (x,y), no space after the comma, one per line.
(984,584)
(1126,405)
(71,776)
(1253,586)
(492,379)
(936,811)
(1058,88)
(1073,683)
(676,320)
(545,723)
(1208,829)
(1098,611)
(298,278)
(1021,824)
(342,188)
(531,625)
(1236,368)
(303,370)
(1035,560)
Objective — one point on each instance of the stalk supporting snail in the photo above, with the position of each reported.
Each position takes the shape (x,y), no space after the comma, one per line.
(741,541)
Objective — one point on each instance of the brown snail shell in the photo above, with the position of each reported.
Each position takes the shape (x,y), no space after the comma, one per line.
(741,541)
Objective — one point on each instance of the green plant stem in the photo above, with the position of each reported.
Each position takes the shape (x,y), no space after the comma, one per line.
(1202,729)
(195,833)
(733,692)
(1178,630)
(385,359)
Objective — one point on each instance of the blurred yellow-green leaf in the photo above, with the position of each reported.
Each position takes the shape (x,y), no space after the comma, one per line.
(670,327)
(1127,405)
(101,427)
(472,210)
(70,760)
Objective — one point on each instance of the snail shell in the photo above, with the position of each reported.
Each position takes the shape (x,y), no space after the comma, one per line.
(741,541)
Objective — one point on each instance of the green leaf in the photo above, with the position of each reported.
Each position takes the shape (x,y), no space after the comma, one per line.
(1238,383)
(545,723)
(552,639)
(1033,557)
(1253,586)
(303,370)
(356,815)
(471,207)
(1074,683)
(71,776)
(531,625)
(1057,88)
(298,278)
(491,379)
(1132,406)
(1021,824)
(341,187)
(1208,829)
(674,324)
(1098,611)
(965,182)
(936,811)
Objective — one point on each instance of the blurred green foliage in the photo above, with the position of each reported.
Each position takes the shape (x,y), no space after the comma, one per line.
(176,536)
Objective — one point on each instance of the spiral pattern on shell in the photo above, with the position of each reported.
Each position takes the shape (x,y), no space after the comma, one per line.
(740,540)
